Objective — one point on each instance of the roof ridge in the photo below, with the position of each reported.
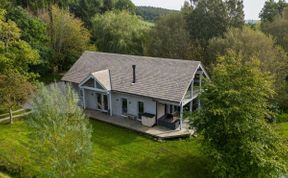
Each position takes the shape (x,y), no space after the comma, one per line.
(142,57)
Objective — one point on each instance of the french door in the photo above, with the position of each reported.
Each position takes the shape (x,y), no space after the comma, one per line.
(102,102)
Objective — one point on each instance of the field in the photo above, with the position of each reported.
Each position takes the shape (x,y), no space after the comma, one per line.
(117,152)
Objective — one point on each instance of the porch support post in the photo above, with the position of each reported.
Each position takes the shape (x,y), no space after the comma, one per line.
(191,106)
(84,102)
(181,116)
(110,103)
(191,103)
(200,89)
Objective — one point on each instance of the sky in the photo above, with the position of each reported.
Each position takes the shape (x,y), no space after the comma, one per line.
(252,7)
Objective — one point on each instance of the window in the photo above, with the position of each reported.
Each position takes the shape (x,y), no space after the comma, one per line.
(99,101)
(89,83)
(140,108)
(99,86)
(105,98)
(124,106)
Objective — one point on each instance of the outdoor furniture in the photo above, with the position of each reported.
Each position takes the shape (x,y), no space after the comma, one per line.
(148,120)
(169,121)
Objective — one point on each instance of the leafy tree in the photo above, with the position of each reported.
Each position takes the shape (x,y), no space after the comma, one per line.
(278,28)
(33,31)
(14,53)
(14,90)
(125,5)
(38,6)
(60,132)
(68,38)
(208,19)
(211,18)
(169,38)
(235,9)
(250,43)
(272,9)
(120,32)
(152,13)
(236,136)
(86,9)
(107,5)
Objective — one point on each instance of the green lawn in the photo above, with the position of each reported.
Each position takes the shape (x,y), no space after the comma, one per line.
(282,129)
(117,152)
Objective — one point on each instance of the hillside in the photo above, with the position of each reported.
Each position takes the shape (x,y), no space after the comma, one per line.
(151,13)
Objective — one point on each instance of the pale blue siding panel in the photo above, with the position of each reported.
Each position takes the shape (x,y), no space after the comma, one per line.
(149,104)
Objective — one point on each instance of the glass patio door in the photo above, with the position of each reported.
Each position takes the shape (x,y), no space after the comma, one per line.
(124,106)
(102,102)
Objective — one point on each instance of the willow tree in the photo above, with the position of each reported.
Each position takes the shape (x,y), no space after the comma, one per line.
(119,32)
(60,132)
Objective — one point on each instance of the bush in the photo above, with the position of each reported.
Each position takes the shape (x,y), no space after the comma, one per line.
(282,118)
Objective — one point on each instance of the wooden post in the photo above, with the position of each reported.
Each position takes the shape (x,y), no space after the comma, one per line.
(84,102)
(181,116)
(10,116)
(200,89)
(191,103)
(110,103)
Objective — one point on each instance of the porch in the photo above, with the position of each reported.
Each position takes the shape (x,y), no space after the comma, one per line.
(156,131)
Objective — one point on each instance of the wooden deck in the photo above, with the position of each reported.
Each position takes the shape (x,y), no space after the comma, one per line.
(156,132)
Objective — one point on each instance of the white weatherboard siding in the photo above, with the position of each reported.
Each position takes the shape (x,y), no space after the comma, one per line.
(160,110)
(149,104)
(90,99)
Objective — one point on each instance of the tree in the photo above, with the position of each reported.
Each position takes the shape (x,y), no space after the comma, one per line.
(169,38)
(68,38)
(119,32)
(14,90)
(34,32)
(236,137)
(250,43)
(272,9)
(211,18)
(86,10)
(278,28)
(15,53)
(235,9)
(125,5)
(107,5)
(60,132)
(38,7)
(208,19)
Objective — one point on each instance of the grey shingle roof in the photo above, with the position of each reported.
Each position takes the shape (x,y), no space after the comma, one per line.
(166,79)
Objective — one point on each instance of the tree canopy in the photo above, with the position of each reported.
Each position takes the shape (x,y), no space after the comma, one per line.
(237,138)
(249,44)
(60,132)
(14,90)
(278,28)
(15,53)
(272,9)
(69,38)
(119,32)
(169,38)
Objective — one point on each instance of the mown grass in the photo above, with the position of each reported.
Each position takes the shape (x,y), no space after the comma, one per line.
(117,152)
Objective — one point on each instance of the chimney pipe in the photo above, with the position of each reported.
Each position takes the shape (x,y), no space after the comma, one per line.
(134,73)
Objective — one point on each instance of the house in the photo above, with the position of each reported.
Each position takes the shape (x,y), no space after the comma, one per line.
(155,91)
